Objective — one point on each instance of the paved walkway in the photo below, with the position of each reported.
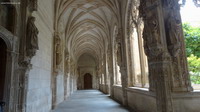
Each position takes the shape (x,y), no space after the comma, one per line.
(89,101)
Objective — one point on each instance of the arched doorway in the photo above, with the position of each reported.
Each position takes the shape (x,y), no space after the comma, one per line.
(3,58)
(87,81)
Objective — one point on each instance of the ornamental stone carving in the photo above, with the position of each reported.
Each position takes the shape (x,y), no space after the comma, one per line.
(118,49)
(175,43)
(33,5)
(67,63)
(158,57)
(151,32)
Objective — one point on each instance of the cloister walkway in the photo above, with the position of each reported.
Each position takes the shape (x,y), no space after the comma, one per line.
(90,101)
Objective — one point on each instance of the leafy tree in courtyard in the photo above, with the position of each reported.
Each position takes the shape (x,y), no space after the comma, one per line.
(194,67)
(192,40)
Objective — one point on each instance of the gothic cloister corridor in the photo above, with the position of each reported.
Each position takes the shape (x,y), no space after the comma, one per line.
(134,50)
(90,101)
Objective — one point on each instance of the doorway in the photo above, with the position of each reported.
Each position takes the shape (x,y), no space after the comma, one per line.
(3,58)
(87,81)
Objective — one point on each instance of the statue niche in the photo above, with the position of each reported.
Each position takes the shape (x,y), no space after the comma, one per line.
(118,53)
(58,51)
(31,37)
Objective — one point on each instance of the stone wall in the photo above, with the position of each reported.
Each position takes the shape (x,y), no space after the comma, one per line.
(118,94)
(39,94)
(103,88)
(141,100)
(59,89)
(186,102)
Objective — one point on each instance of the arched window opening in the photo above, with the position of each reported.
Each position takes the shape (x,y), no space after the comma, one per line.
(140,63)
(139,59)
(118,75)
(191,28)
(117,56)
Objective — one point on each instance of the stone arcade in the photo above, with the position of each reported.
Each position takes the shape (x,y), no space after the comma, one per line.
(133,50)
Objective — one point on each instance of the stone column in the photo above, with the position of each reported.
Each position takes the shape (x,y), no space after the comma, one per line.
(66,76)
(23,76)
(56,67)
(159,59)
(105,72)
(71,76)
(175,43)
(13,80)
(124,78)
(122,62)
(164,46)
(100,74)
(111,70)
(98,78)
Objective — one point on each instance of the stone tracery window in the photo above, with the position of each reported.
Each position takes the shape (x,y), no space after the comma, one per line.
(117,53)
(140,64)
(118,75)
(139,59)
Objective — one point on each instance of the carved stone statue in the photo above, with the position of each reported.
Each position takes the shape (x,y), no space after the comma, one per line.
(175,31)
(175,34)
(67,62)
(58,50)
(32,36)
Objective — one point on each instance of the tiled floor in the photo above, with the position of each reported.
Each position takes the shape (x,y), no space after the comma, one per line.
(90,101)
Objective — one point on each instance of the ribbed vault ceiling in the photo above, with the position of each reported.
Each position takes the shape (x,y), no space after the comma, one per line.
(87,25)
